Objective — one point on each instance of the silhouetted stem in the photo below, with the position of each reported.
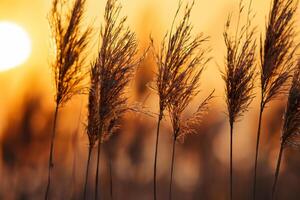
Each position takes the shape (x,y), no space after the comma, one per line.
(110,176)
(50,166)
(87,171)
(257,149)
(155,156)
(231,174)
(172,168)
(277,172)
(97,169)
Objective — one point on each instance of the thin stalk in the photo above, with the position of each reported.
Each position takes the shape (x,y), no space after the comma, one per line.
(257,148)
(74,144)
(110,177)
(98,163)
(277,171)
(87,171)
(231,174)
(155,155)
(51,153)
(172,168)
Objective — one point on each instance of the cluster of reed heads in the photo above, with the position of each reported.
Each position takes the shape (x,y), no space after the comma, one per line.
(181,58)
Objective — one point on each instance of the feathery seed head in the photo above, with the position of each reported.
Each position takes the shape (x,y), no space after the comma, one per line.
(278,49)
(291,127)
(70,46)
(93,106)
(181,61)
(116,64)
(239,75)
(178,62)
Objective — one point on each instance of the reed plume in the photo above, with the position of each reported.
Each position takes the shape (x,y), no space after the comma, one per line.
(183,95)
(239,75)
(70,43)
(291,127)
(116,64)
(276,52)
(93,117)
(180,65)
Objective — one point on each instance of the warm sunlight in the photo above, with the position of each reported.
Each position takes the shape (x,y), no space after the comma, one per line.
(15,45)
(149,99)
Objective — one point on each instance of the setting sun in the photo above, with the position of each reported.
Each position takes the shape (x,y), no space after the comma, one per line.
(15,45)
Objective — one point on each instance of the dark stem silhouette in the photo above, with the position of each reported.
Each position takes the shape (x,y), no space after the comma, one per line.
(87,171)
(110,175)
(97,184)
(277,51)
(277,172)
(257,148)
(155,156)
(51,164)
(231,174)
(172,168)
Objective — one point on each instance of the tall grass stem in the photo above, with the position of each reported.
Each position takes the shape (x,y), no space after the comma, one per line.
(50,166)
(110,177)
(97,184)
(155,157)
(87,172)
(257,149)
(231,171)
(277,172)
(172,168)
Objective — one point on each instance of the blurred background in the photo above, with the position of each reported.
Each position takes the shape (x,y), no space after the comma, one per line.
(202,162)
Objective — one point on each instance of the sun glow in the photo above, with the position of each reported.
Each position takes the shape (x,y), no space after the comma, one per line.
(15,45)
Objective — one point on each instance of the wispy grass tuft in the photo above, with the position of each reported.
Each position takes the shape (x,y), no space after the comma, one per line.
(180,62)
(239,75)
(184,127)
(70,48)
(291,127)
(276,57)
(189,126)
(93,117)
(70,43)
(116,64)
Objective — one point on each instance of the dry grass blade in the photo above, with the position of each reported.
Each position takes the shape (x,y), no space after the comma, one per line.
(180,60)
(70,46)
(70,43)
(291,127)
(93,107)
(116,64)
(276,57)
(176,54)
(278,49)
(189,126)
(239,75)
(93,117)
(183,128)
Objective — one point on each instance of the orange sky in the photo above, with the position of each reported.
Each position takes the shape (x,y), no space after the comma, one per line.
(145,17)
